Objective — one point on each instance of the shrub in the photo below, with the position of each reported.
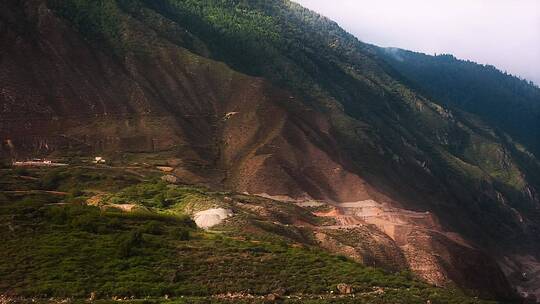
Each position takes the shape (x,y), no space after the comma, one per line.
(113,223)
(186,221)
(57,215)
(258,249)
(21,171)
(87,222)
(76,192)
(152,227)
(342,258)
(4,164)
(181,234)
(127,246)
(51,180)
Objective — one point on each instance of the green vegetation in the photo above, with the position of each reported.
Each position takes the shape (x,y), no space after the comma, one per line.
(98,20)
(58,247)
(510,103)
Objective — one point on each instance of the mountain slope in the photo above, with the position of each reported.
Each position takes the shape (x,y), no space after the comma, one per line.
(506,102)
(268,98)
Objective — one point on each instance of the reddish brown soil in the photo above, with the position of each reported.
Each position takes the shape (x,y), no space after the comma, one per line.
(61,94)
(414,239)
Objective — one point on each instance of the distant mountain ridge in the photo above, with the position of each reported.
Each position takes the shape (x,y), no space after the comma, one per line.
(269,98)
(504,101)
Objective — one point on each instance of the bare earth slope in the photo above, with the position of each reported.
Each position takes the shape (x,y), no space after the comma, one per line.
(60,93)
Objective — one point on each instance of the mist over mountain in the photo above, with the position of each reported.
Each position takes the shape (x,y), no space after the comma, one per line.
(257,137)
(505,34)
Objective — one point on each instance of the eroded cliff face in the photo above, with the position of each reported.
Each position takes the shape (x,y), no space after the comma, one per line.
(381,234)
(61,95)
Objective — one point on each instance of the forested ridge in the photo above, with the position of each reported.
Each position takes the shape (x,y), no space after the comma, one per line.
(505,101)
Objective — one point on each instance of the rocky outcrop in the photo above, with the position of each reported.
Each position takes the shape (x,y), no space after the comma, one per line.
(211,217)
(345,288)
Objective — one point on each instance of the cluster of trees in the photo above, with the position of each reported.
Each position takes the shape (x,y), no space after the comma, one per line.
(507,102)
(97,20)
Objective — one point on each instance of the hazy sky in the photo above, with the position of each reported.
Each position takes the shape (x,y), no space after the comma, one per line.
(504,33)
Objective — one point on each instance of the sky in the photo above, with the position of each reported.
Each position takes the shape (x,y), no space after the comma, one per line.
(503,33)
